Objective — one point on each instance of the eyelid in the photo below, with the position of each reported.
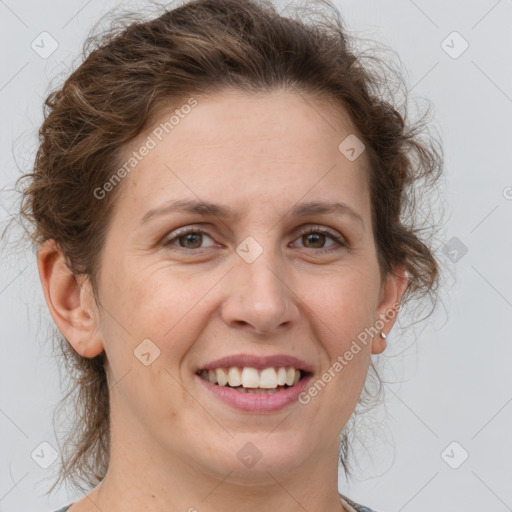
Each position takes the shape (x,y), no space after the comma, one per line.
(316,228)
(339,239)
(182,232)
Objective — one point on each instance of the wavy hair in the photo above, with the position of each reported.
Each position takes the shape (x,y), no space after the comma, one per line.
(135,68)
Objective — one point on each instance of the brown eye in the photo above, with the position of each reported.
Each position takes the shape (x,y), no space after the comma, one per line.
(316,238)
(188,240)
(194,239)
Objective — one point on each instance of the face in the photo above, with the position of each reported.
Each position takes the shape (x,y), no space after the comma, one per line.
(180,289)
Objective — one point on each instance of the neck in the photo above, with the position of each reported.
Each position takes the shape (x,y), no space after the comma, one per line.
(143,481)
(146,475)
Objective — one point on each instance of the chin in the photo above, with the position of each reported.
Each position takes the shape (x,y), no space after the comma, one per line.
(254,457)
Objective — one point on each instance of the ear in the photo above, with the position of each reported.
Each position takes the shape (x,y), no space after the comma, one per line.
(391,294)
(70,301)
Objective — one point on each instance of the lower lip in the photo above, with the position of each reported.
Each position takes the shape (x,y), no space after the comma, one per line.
(257,402)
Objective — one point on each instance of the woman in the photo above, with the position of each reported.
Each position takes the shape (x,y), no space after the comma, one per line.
(184,169)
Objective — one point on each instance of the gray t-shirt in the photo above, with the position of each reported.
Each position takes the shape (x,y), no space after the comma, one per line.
(359,508)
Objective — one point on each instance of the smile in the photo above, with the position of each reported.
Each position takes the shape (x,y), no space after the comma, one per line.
(253,398)
(253,380)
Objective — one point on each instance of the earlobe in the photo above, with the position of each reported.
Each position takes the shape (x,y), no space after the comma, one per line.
(69,300)
(387,311)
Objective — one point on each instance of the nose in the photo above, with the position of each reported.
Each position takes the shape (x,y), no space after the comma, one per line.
(260,297)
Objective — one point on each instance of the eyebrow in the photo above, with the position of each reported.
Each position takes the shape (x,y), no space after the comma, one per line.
(218,210)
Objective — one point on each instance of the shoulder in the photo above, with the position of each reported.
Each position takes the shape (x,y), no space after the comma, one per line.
(63,509)
(357,506)
(362,508)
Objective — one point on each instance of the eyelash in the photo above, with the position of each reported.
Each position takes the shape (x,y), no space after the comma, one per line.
(191,230)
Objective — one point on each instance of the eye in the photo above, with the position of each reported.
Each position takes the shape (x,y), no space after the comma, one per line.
(317,237)
(188,238)
(191,238)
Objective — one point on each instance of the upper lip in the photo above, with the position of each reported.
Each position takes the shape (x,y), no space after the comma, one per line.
(258,362)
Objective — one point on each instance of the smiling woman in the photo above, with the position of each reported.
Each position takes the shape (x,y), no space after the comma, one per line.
(223,204)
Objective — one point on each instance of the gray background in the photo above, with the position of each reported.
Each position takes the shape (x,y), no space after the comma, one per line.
(450,378)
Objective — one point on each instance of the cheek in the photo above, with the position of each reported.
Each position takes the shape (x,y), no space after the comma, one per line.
(344,307)
(345,303)
(150,325)
(165,306)
(151,300)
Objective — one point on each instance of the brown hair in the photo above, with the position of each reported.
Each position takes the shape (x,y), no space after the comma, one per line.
(131,71)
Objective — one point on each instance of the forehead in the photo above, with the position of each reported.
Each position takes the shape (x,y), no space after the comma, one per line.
(244,148)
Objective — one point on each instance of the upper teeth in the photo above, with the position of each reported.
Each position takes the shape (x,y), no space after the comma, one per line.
(268,378)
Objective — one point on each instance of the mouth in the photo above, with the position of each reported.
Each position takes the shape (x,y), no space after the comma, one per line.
(254,380)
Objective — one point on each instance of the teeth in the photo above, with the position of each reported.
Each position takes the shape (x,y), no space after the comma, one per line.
(268,378)
(250,378)
(281,376)
(257,391)
(259,381)
(234,377)
(290,376)
(222,378)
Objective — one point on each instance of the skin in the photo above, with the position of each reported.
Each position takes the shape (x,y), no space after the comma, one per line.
(173,446)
